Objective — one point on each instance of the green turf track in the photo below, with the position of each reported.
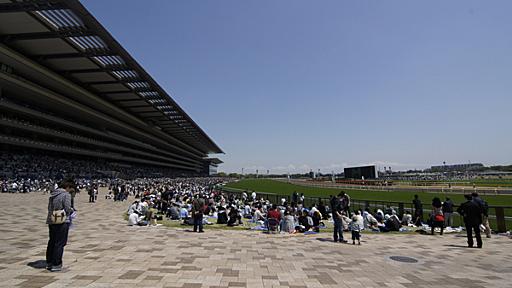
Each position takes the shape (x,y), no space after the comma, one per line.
(281,188)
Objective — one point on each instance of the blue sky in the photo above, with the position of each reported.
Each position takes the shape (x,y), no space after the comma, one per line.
(291,86)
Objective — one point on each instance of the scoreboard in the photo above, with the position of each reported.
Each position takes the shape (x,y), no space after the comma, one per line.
(368,172)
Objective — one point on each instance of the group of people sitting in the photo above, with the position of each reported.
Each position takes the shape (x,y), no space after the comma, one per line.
(186,198)
(172,198)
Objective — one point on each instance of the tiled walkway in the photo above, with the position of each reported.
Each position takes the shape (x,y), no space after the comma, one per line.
(104,252)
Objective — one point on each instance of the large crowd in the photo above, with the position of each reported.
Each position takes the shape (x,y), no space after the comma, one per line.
(202,201)
(188,199)
(199,202)
(31,171)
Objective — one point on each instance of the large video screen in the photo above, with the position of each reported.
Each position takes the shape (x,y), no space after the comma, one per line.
(368,172)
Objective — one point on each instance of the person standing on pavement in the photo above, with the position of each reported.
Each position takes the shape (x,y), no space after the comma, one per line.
(448,212)
(485,213)
(418,211)
(472,214)
(95,192)
(58,220)
(90,191)
(337,216)
(73,194)
(197,212)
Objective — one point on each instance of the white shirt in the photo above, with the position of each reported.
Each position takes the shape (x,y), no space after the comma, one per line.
(360,221)
(133,219)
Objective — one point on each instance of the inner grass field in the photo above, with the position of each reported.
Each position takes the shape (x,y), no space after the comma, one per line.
(283,188)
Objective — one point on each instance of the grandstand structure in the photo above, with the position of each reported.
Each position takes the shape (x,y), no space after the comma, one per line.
(68,88)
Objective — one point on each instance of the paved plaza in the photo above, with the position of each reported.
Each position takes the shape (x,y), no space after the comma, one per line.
(104,252)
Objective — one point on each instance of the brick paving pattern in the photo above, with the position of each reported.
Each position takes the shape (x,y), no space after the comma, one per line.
(103,251)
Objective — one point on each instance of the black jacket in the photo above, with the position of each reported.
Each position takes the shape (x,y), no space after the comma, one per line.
(448,206)
(472,213)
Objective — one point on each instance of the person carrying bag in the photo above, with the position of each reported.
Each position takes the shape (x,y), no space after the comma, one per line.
(58,220)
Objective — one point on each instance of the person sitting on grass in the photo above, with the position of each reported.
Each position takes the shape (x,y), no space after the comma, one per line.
(184,215)
(288,224)
(407,218)
(234,217)
(274,213)
(392,224)
(305,222)
(173,212)
(135,212)
(390,211)
(317,218)
(247,211)
(222,215)
(379,215)
(370,222)
(258,216)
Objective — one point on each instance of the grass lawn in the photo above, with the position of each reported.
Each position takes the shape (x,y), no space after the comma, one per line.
(328,230)
(282,188)
(247,225)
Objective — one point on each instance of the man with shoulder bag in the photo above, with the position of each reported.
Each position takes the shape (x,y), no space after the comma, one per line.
(197,213)
(58,220)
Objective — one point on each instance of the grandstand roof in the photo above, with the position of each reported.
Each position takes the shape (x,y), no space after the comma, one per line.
(214,160)
(64,37)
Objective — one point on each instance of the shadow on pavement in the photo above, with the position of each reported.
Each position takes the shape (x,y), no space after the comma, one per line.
(38,264)
(324,239)
(456,246)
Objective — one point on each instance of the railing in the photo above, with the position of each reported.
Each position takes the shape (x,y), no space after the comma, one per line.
(500,217)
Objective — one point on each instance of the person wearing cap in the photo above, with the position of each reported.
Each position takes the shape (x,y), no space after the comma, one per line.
(472,213)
